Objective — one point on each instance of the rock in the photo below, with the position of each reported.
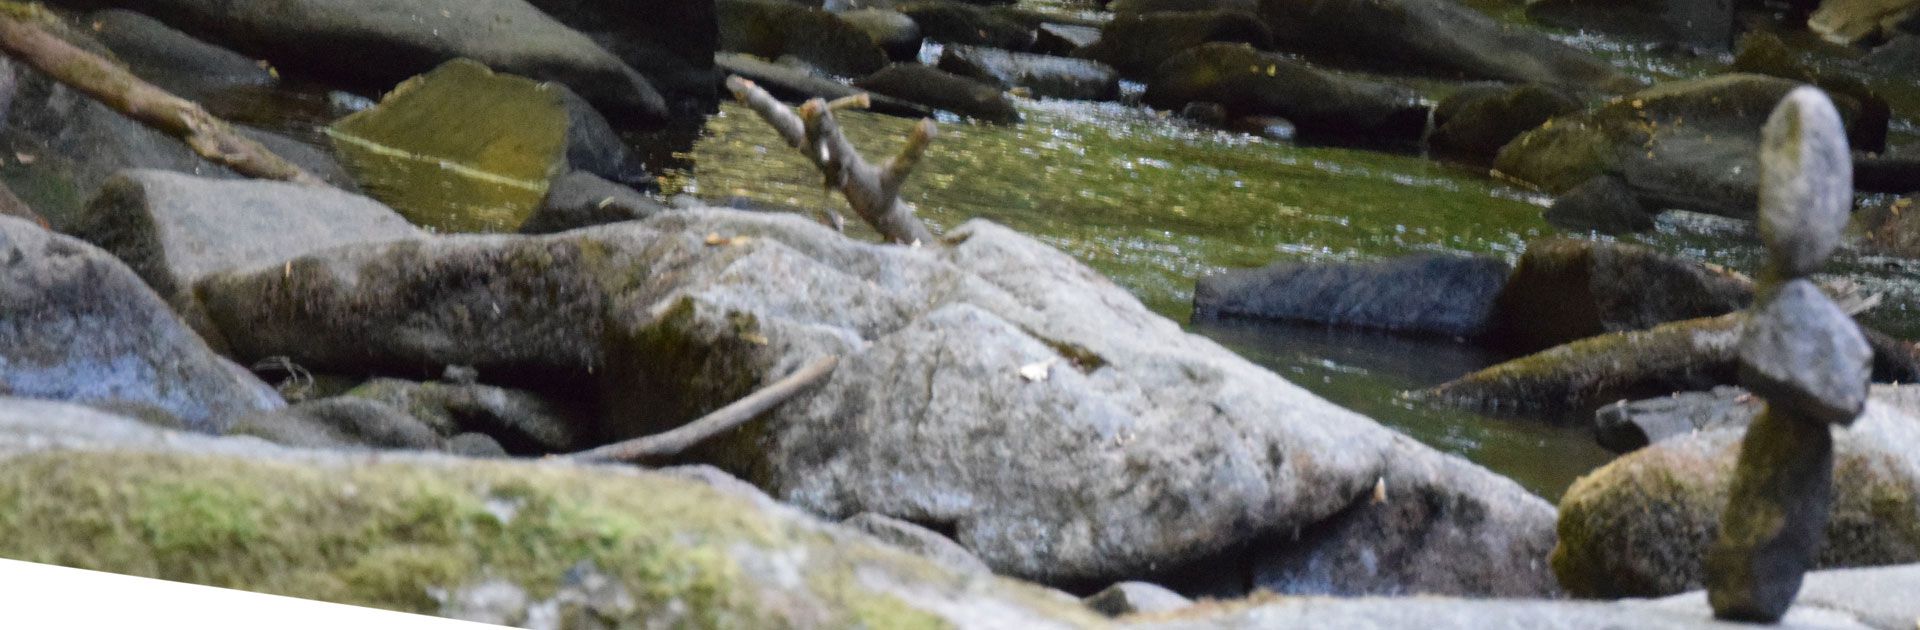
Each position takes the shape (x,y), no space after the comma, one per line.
(1776,513)
(1705,24)
(1205,113)
(1431,293)
(1762,52)
(1043,76)
(475,445)
(795,85)
(924,542)
(1325,107)
(76,325)
(773,28)
(671,42)
(172,60)
(1625,426)
(1890,227)
(1130,598)
(1444,38)
(1805,355)
(1441,613)
(1641,525)
(1806,192)
(896,33)
(1064,40)
(1690,145)
(1473,123)
(377,43)
(941,90)
(174,229)
(661,320)
(578,200)
(1604,204)
(1156,6)
(1849,21)
(341,423)
(1136,45)
(957,23)
(1896,171)
(547,541)
(465,149)
(1900,55)
(1564,290)
(1872,596)
(12,206)
(524,423)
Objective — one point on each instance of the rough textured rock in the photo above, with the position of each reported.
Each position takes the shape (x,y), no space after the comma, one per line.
(174,229)
(1324,106)
(1137,44)
(377,43)
(77,325)
(1807,196)
(1127,598)
(1437,294)
(1877,597)
(1567,289)
(934,88)
(1472,124)
(671,42)
(957,23)
(1444,38)
(1690,145)
(925,542)
(1041,75)
(578,200)
(173,60)
(1141,447)
(1801,352)
(341,423)
(1762,52)
(1777,510)
(1707,24)
(896,33)
(1641,525)
(1628,425)
(523,422)
(773,29)
(1604,204)
(573,546)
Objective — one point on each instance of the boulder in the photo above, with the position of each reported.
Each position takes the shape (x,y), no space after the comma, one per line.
(774,28)
(1900,56)
(1137,45)
(174,229)
(172,60)
(1131,598)
(925,542)
(1442,613)
(1472,124)
(1041,75)
(579,199)
(76,325)
(1430,293)
(1641,525)
(341,423)
(934,88)
(377,43)
(1434,37)
(671,42)
(1566,289)
(1628,425)
(1605,204)
(1704,24)
(1763,52)
(1850,21)
(896,33)
(1063,39)
(956,23)
(1689,145)
(988,386)
(533,543)
(1323,106)
(522,422)
(791,84)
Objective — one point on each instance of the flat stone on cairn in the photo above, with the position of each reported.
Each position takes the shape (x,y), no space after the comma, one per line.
(1805,356)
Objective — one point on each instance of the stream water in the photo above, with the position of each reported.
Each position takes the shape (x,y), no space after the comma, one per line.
(1154,202)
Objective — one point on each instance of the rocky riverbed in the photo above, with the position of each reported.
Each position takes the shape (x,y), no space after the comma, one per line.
(1294,309)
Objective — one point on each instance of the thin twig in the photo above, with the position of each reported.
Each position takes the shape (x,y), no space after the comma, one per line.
(118,89)
(720,421)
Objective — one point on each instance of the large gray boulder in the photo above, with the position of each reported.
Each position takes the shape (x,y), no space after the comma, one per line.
(77,325)
(670,41)
(377,43)
(1429,293)
(173,229)
(1324,106)
(1563,290)
(936,88)
(530,543)
(989,387)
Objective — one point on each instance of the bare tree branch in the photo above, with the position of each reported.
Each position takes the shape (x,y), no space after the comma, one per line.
(118,89)
(872,192)
(720,421)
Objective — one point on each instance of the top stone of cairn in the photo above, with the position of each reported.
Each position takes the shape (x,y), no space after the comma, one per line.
(1806,182)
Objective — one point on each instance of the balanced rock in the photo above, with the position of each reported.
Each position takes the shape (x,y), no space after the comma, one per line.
(1803,353)
(1806,196)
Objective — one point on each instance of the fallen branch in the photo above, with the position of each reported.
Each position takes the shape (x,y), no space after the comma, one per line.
(118,89)
(720,421)
(873,192)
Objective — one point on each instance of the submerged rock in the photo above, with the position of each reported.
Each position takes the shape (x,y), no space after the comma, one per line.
(1137,44)
(76,325)
(773,29)
(1474,123)
(581,545)
(942,90)
(1323,106)
(1436,294)
(1043,76)
(988,386)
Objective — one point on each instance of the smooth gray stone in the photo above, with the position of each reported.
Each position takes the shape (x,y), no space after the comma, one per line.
(1806,182)
(1803,353)
(1628,425)
(1776,518)
(1127,598)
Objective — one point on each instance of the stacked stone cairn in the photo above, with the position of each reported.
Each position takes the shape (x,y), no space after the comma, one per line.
(1804,356)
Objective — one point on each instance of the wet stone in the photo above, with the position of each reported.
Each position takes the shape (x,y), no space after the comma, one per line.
(1802,353)
(1806,190)
(1776,516)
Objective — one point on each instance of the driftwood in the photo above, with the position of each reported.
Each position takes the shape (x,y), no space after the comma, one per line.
(724,419)
(118,89)
(873,192)
(1688,354)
